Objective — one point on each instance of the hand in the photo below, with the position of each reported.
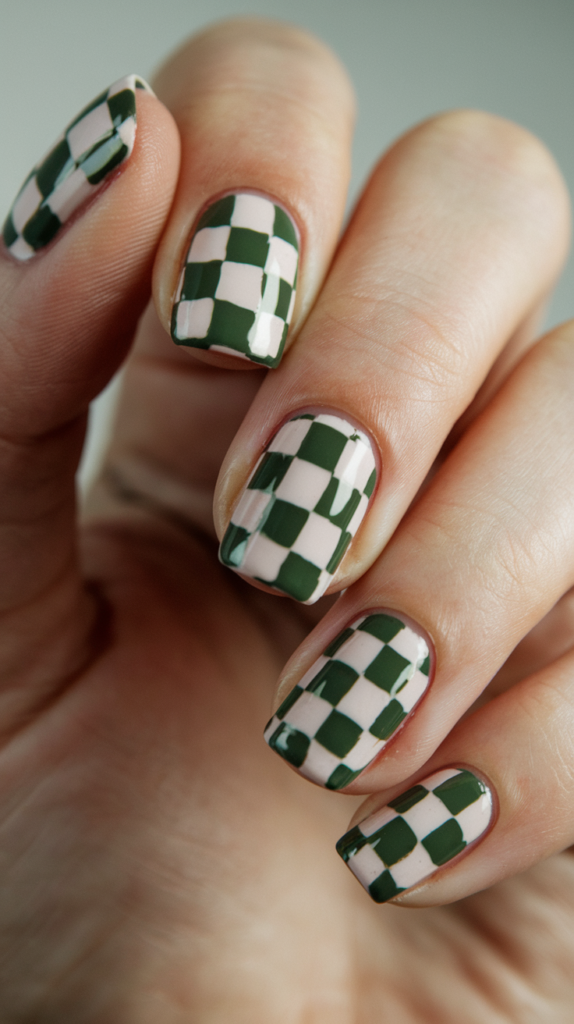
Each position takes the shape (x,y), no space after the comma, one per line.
(159,862)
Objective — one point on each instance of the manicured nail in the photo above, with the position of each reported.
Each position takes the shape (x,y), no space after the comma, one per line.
(302,506)
(96,142)
(236,291)
(416,833)
(352,700)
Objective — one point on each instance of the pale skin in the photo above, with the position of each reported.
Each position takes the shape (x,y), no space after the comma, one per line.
(159,862)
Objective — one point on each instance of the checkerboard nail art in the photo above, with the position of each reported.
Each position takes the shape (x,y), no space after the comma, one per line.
(302,506)
(352,700)
(406,841)
(237,289)
(96,142)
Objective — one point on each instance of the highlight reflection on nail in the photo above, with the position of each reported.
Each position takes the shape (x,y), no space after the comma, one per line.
(93,145)
(352,700)
(416,833)
(302,506)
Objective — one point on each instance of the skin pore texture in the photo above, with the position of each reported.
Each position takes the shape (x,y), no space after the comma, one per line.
(159,861)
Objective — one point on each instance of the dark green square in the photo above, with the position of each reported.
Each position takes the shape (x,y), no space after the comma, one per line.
(9,232)
(270,472)
(425,667)
(460,791)
(370,485)
(408,799)
(282,307)
(384,627)
(445,842)
(333,681)
(200,280)
(384,888)
(283,227)
(333,647)
(247,246)
(51,168)
(41,228)
(122,106)
(322,446)
(386,668)
(325,504)
(289,701)
(233,545)
(393,841)
(297,577)
(290,744)
(350,844)
(230,325)
(218,214)
(343,544)
(285,522)
(338,734)
(103,158)
(341,777)
(388,721)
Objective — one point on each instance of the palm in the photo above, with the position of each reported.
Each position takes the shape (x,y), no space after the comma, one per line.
(159,863)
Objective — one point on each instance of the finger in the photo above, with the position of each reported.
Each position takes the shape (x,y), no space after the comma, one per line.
(70,296)
(478,562)
(457,237)
(472,834)
(265,114)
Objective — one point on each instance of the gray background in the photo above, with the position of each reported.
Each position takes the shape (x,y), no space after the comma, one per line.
(408,59)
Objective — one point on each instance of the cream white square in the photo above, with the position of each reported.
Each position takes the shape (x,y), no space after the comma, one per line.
(289,439)
(250,509)
(360,650)
(308,713)
(21,250)
(409,645)
(360,465)
(70,194)
(366,748)
(303,484)
(377,820)
(366,866)
(209,244)
(263,558)
(265,336)
(291,307)
(336,422)
(413,690)
(193,318)
(319,763)
(317,540)
(270,295)
(412,868)
(438,778)
(358,515)
(364,702)
(90,130)
(26,204)
(240,283)
(322,584)
(127,132)
(427,815)
(282,260)
(475,818)
(341,498)
(253,212)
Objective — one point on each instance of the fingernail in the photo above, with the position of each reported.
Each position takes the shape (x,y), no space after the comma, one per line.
(236,291)
(352,700)
(302,506)
(93,145)
(416,833)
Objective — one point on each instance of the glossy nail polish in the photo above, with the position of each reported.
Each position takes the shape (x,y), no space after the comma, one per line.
(302,506)
(416,833)
(237,288)
(352,700)
(96,142)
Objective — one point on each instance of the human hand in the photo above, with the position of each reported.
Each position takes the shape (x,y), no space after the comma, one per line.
(159,863)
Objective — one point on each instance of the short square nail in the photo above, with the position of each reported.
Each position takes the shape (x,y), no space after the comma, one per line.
(302,506)
(93,145)
(236,291)
(405,842)
(352,700)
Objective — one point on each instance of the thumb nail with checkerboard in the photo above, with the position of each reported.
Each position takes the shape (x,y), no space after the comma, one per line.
(94,144)
(236,290)
(405,842)
(303,505)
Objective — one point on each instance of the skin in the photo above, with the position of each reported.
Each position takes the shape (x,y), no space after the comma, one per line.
(158,861)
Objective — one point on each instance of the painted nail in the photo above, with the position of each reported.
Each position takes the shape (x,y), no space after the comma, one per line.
(93,145)
(302,506)
(416,833)
(352,700)
(236,291)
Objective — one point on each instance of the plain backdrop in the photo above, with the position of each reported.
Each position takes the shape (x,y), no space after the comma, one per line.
(407,58)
